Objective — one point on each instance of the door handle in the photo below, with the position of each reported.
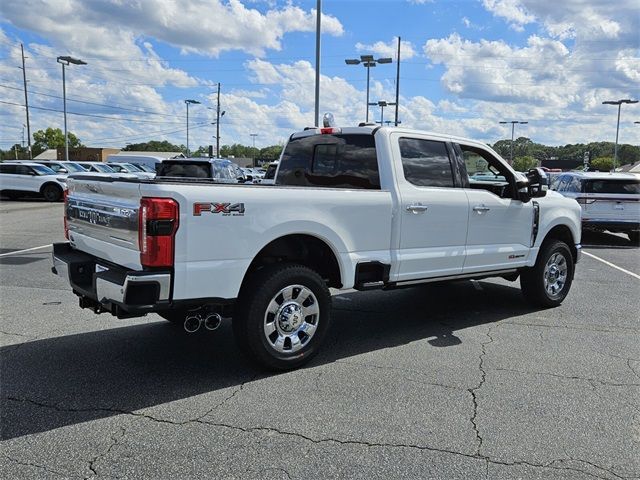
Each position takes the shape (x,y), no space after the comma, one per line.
(481,209)
(417,208)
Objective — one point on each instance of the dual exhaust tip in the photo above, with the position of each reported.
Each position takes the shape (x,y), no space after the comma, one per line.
(194,321)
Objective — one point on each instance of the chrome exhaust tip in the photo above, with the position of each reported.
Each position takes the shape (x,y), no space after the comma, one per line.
(212,321)
(192,323)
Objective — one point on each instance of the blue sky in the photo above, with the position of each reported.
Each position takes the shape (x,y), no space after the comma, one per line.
(466,65)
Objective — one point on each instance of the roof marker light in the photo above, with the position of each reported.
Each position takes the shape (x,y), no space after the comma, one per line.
(328,120)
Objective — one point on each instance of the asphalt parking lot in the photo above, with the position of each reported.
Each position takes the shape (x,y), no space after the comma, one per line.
(442,381)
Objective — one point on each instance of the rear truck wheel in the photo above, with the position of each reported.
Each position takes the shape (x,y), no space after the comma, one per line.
(547,283)
(52,193)
(634,236)
(282,316)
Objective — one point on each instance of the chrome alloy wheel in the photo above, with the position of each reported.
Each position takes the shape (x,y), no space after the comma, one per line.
(555,274)
(291,319)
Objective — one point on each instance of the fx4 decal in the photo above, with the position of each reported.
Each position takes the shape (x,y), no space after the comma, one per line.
(226,209)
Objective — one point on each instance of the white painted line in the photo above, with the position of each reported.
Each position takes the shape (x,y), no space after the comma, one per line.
(634,275)
(25,250)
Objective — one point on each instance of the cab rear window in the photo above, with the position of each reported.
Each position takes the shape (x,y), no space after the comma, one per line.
(630,186)
(336,161)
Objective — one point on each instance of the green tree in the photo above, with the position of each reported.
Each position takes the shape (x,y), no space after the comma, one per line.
(155,146)
(52,138)
(603,164)
(523,164)
(270,153)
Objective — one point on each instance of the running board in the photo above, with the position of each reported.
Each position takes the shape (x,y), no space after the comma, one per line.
(476,275)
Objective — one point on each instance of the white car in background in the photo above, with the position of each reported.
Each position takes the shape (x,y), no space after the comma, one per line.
(121,167)
(96,167)
(609,201)
(20,178)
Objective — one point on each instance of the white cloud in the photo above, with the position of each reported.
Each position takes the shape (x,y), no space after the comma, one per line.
(512,10)
(202,26)
(389,49)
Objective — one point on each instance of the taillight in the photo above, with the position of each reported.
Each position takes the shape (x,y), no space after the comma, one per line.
(65,195)
(585,201)
(157,225)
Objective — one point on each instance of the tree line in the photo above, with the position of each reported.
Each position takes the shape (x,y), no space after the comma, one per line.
(526,153)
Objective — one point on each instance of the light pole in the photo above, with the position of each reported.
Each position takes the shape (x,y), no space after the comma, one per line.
(253,137)
(513,127)
(66,61)
(367,61)
(619,104)
(187,103)
(382,104)
(317,99)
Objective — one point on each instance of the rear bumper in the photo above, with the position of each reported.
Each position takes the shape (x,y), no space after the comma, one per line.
(613,225)
(103,286)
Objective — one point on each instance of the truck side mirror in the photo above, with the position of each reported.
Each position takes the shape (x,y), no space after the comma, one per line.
(538,182)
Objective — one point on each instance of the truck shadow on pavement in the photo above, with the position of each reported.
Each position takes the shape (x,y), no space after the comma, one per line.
(66,380)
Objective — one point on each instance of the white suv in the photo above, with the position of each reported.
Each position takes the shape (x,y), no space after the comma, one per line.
(609,201)
(18,178)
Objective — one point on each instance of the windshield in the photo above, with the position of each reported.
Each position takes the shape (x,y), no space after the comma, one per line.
(42,170)
(145,168)
(73,167)
(118,167)
(103,168)
(132,168)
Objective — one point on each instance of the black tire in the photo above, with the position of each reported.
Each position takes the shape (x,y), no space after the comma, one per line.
(52,193)
(634,237)
(532,280)
(252,318)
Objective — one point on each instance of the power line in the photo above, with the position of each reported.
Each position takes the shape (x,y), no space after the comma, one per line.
(96,104)
(92,115)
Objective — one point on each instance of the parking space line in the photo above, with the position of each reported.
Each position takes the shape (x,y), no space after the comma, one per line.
(18,252)
(634,275)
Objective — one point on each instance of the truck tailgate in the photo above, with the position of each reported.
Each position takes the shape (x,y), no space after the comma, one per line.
(102,218)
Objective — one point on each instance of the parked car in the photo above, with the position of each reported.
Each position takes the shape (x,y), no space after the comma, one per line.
(119,167)
(609,201)
(218,169)
(354,207)
(62,167)
(270,174)
(20,178)
(99,167)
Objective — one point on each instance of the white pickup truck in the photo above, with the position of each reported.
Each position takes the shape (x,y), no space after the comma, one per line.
(352,208)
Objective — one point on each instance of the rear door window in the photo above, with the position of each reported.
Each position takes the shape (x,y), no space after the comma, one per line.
(336,161)
(8,168)
(620,187)
(426,163)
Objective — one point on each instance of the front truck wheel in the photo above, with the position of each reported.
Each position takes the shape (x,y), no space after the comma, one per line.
(282,316)
(547,283)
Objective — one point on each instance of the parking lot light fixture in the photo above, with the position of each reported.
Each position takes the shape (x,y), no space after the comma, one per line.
(187,103)
(513,126)
(382,104)
(66,61)
(367,61)
(619,104)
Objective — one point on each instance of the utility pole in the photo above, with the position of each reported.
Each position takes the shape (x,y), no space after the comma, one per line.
(26,101)
(318,21)
(398,82)
(253,137)
(66,61)
(513,128)
(218,124)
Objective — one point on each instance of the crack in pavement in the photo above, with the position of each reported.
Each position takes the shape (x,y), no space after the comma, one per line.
(100,456)
(403,370)
(35,465)
(473,391)
(567,377)
(260,429)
